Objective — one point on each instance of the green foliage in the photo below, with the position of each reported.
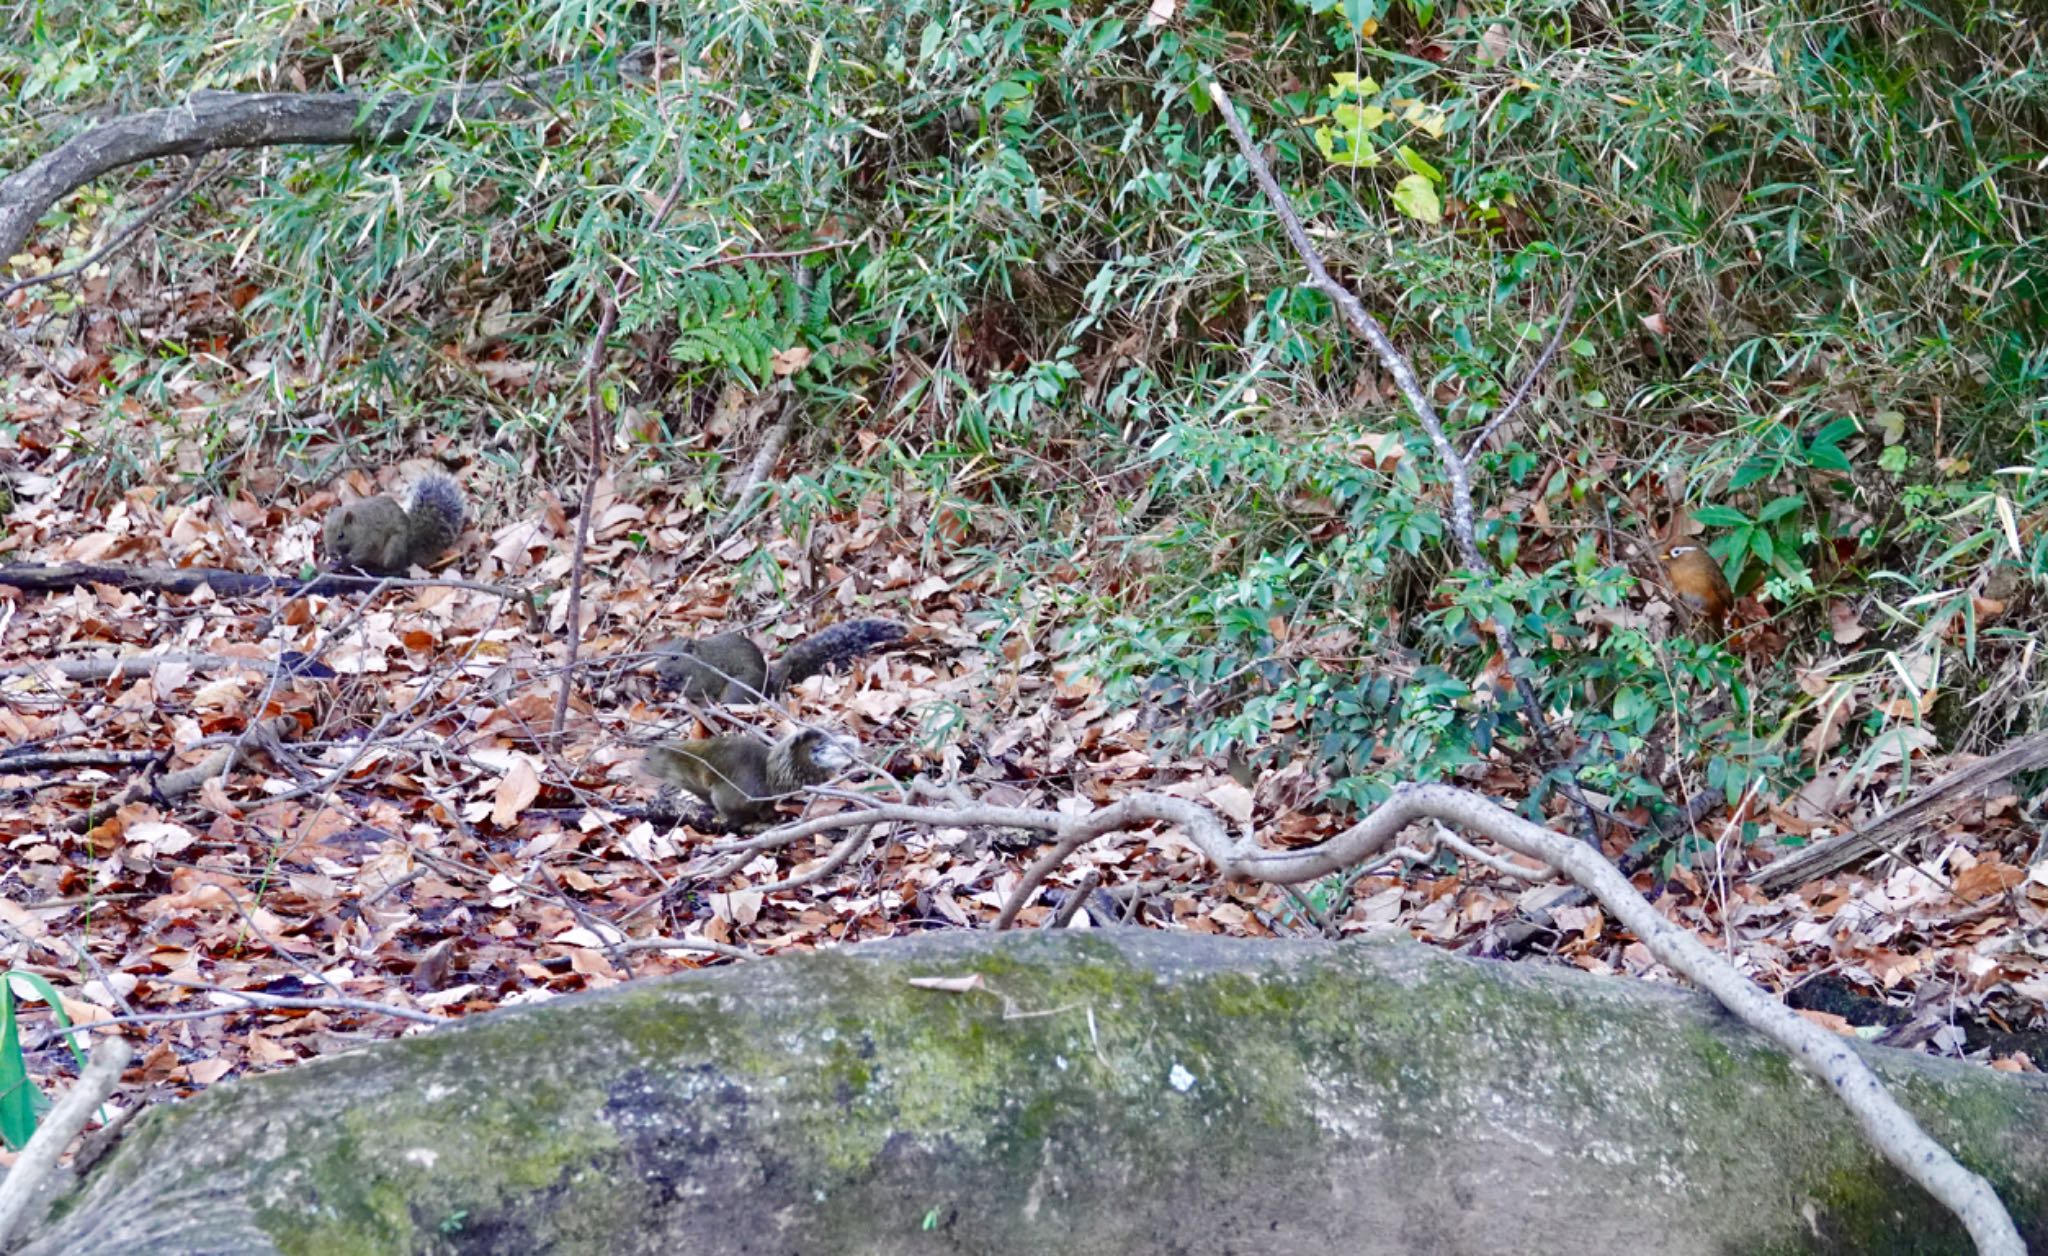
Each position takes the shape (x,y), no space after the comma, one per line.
(740,317)
(1807,242)
(21,1104)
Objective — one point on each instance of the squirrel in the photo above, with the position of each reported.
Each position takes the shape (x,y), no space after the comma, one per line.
(380,537)
(729,667)
(742,775)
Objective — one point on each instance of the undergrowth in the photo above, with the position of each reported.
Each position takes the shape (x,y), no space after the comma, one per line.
(1013,248)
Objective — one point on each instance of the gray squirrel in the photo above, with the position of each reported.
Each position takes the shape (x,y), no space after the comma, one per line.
(729,667)
(380,537)
(741,775)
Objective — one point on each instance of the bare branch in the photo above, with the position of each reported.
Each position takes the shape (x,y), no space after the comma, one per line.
(259,1001)
(178,784)
(854,843)
(1075,901)
(772,444)
(599,433)
(42,760)
(688,944)
(1542,364)
(1828,1057)
(58,1127)
(1909,817)
(1397,365)
(733,259)
(212,121)
(186,183)
(41,578)
(593,373)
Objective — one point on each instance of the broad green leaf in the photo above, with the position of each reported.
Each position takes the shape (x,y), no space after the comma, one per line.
(1427,119)
(1416,197)
(1836,432)
(1413,160)
(1720,516)
(1779,509)
(1827,458)
(1751,472)
(1348,143)
(21,1104)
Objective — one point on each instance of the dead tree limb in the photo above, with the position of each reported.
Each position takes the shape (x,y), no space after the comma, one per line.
(1831,854)
(772,443)
(89,671)
(1826,1056)
(178,784)
(1530,380)
(598,430)
(63,577)
(118,240)
(58,1127)
(1456,473)
(211,121)
(45,760)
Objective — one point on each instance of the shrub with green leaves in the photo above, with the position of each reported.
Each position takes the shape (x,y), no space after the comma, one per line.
(1805,241)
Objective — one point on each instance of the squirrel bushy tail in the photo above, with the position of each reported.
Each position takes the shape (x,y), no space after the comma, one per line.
(729,667)
(437,516)
(823,648)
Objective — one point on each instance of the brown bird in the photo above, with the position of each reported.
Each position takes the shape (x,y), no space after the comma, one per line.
(1698,581)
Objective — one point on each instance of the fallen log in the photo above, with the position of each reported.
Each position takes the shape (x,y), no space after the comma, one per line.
(1909,818)
(210,121)
(1095,1091)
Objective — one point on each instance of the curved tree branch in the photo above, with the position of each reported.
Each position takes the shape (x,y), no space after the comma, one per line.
(1535,373)
(1456,472)
(211,121)
(1826,1056)
(58,1127)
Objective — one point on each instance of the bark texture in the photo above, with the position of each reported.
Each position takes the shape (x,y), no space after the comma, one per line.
(1115,1091)
(210,121)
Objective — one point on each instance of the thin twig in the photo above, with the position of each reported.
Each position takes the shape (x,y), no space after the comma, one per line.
(1402,370)
(688,944)
(1542,364)
(187,183)
(265,1002)
(177,784)
(593,368)
(736,258)
(594,414)
(1076,899)
(825,867)
(1467,850)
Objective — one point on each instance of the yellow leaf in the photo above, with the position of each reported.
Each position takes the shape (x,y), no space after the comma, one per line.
(516,791)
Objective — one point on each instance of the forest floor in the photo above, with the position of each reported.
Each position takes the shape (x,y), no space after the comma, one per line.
(401,830)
